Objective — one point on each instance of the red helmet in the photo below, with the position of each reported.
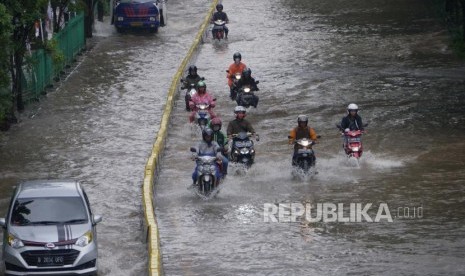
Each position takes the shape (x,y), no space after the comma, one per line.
(216,124)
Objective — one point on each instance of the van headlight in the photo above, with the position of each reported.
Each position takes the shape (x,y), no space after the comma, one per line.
(120,18)
(85,239)
(152,18)
(14,242)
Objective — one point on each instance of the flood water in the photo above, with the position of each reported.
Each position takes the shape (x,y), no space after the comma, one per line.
(311,57)
(314,58)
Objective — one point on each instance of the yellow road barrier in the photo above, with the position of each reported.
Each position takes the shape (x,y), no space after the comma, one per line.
(153,163)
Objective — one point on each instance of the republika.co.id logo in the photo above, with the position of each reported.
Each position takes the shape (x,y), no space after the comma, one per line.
(340,212)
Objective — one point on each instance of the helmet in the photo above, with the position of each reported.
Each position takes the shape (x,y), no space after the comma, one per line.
(207,133)
(239,108)
(240,112)
(201,84)
(237,55)
(216,124)
(192,68)
(302,118)
(352,107)
(219,7)
(247,72)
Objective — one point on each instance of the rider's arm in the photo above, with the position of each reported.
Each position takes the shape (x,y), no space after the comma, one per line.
(344,123)
(313,135)
(359,122)
(250,128)
(292,135)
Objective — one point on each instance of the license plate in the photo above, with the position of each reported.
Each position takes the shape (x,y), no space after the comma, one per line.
(50,260)
(136,24)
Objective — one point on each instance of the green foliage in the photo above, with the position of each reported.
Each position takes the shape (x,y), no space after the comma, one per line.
(51,47)
(5,41)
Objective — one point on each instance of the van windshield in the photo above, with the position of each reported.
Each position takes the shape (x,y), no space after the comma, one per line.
(48,211)
(136,1)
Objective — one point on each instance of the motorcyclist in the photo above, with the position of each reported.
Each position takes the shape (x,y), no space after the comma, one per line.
(301,131)
(234,68)
(352,121)
(220,15)
(202,96)
(220,138)
(191,78)
(248,80)
(208,147)
(240,124)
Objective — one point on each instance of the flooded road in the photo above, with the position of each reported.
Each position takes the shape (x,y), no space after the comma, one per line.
(314,58)
(99,127)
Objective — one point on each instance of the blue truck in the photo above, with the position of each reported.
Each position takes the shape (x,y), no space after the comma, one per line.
(138,14)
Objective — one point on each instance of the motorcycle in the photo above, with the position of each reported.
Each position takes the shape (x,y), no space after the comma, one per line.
(190,91)
(352,142)
(305,159)
(242,149)
(202,116)
(234,87)
(246,97)
(206,183)
(218,29)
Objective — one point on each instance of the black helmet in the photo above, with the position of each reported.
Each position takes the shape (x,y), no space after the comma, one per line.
(192,68)
(237,55)
(247,72)
(219,7)
(207,132)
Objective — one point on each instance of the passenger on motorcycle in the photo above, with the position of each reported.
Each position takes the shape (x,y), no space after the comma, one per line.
(240,124)
(192,78)
(220,15)
(236,67)
(248,80)
(301,131)
(352,121)
(220,138)
(208,147)
(202,96)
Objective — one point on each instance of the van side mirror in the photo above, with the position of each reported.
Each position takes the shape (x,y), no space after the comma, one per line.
(193,150)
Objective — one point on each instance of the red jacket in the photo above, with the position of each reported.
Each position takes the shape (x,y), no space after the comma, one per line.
(233,69)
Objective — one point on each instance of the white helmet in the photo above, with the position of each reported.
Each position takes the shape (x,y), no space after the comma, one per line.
(239,109)
(352,106)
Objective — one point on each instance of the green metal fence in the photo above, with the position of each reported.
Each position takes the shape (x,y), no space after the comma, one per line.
(42,72)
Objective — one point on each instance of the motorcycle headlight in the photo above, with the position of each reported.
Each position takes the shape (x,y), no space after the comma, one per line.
(14,242)
(244,151)
(85,239)
(120,18)
(355,149)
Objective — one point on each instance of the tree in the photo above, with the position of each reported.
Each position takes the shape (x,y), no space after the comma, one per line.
(5,94)
(24,13)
